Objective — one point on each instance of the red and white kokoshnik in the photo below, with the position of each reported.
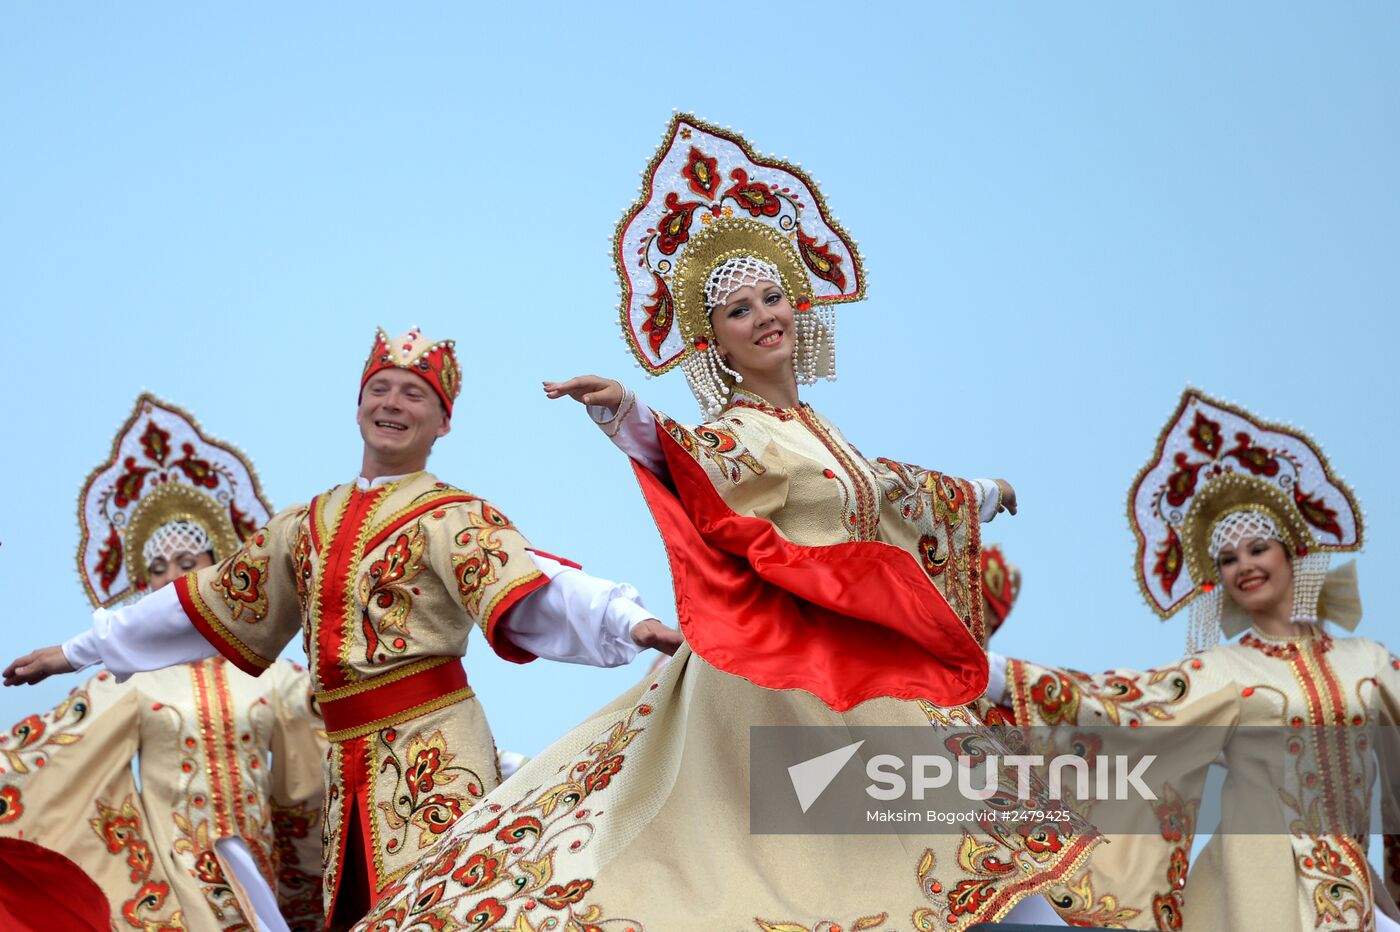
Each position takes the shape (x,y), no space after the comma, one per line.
(707,197)
(162,468)
(1213,459)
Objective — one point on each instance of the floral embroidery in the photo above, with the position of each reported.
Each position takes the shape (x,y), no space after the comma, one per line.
(415,802)
(120,830)
(719,445)
(242,579)
(10,806)
(1079,905)
(505,868)
(386,590)
(476,567)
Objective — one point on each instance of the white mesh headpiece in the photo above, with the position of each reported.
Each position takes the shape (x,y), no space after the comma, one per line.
(1239,526)
(732,274)
(176,537)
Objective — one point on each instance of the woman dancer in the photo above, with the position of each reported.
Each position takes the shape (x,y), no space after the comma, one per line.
(223,832)
(814,587)
(1237,517)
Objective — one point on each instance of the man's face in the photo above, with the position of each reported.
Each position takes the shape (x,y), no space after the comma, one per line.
(400,416)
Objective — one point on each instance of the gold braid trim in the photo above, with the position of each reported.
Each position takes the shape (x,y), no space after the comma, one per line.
(384,679)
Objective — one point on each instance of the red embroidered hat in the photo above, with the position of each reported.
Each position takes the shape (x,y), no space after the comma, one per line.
(435,363)
(1001,583)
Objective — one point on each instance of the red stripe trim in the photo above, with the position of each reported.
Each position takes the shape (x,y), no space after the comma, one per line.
(413,514)
(393,697)
(503,646)
(235,651)
(336,623)
(556,558)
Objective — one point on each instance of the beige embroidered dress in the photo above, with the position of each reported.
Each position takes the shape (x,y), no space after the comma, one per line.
(639,817)
(222,755)
(1320,693)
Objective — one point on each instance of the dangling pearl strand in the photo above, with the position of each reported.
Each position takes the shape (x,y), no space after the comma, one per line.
(702,371)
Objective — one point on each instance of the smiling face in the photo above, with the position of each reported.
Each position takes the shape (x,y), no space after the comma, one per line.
(754,330)
(161,571)
(400,416)
(1258,575)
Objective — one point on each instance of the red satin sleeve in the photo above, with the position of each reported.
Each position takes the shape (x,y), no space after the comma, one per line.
(846,622)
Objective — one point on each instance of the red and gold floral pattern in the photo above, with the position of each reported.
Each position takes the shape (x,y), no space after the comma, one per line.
(120,829)
(416,802)
(508,876)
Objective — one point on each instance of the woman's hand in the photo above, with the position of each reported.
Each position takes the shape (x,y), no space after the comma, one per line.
(653,633)
(37,666)
(1008,496)
(589,390)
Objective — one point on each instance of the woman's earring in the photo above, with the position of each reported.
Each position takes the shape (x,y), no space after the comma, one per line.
(723,367)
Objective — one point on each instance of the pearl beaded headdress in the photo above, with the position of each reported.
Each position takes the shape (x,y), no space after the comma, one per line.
(1220,476)
(166,487)
(732,274)
(713,213)
(176,537)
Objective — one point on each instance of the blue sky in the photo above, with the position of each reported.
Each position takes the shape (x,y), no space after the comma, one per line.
(1070,211)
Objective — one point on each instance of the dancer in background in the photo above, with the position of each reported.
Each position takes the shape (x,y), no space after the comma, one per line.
(1236,518)
(814,587)
(224,832)
(385,577)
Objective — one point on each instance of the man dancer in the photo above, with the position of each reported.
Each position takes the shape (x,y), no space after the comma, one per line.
(384,576)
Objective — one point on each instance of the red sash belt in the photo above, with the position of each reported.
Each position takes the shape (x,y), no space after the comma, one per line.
(374,704)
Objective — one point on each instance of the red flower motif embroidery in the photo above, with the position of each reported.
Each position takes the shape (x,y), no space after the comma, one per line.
(109,561)
(481,870)
(420,772)
(151,896)
(207,869)
(519,830)
(673,228)
(1122,688)
(128,487)
(1176,871)
(10,806)
(28,731)
(1057,699)
(1254,458)
(1182,483)
(1167,907)
(660,315)
(1170,559)
(699,171)
(156,442)
(484,914)
(753,196)
(557,897)
(200,472)
(602,774)
(1316,513)
(824,263)
(439,812)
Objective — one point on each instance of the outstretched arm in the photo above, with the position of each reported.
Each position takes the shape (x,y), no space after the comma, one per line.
(147,635)
(615,409)
(579,618)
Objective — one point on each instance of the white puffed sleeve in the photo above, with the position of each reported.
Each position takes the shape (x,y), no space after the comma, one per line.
(151,634)
(633,429)
(577,618)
